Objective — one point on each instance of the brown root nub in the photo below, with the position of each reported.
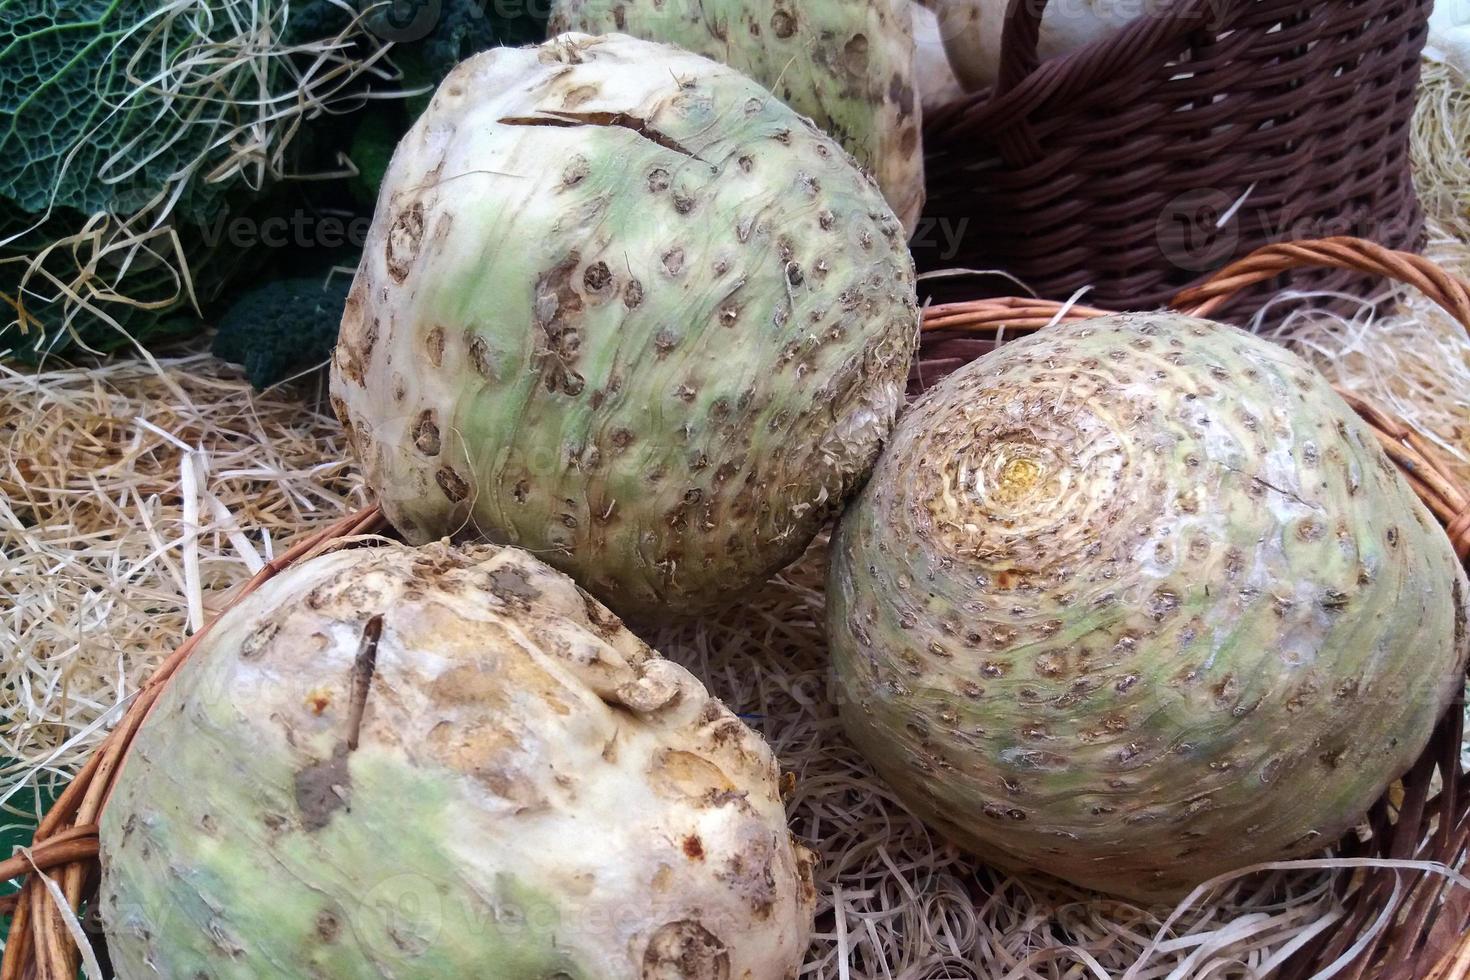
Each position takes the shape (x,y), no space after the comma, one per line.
(685,950)
(481,358)
(597,277)
(434,343)
(633,294)
(363,669)
(328,927)
(558,306)
(453,485)
(426,433)
(403,241)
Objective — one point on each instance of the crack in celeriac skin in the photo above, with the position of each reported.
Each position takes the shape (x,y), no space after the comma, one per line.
(533,792)
(846,64)
(1137,601)
(623,308)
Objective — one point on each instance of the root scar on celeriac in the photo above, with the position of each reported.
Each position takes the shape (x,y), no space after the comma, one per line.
(362,677)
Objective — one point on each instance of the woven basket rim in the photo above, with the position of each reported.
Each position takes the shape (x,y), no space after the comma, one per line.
(65,845)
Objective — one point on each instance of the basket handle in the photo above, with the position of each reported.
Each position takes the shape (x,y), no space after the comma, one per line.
(1022,85)
(1354,254)
(1018,43)
(1022,35)
(988,316)
(1423,464)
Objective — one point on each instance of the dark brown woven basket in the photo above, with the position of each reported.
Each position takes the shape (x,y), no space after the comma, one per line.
(1113,165)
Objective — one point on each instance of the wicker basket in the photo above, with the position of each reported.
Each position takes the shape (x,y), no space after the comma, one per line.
(1112,166)
(1404,923)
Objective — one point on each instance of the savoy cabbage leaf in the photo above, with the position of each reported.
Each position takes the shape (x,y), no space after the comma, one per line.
(76,133)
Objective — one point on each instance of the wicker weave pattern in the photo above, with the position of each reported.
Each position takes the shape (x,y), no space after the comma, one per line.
(1112,166)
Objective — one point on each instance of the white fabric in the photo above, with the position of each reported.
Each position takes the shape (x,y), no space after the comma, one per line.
(936,79)
(1449,34)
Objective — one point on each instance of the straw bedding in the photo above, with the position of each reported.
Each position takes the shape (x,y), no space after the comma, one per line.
(132,496)
(1415,363)
(135,495)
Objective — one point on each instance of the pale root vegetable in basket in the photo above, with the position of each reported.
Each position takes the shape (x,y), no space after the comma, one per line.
(973,29)
(847,64)
(934,76)
(445,763)
(623,308)
(1138,601)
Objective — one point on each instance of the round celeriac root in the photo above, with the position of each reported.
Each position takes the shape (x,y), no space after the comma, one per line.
(848,65)
(445,763)
(621,307)
(934,76)
(1138,601)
